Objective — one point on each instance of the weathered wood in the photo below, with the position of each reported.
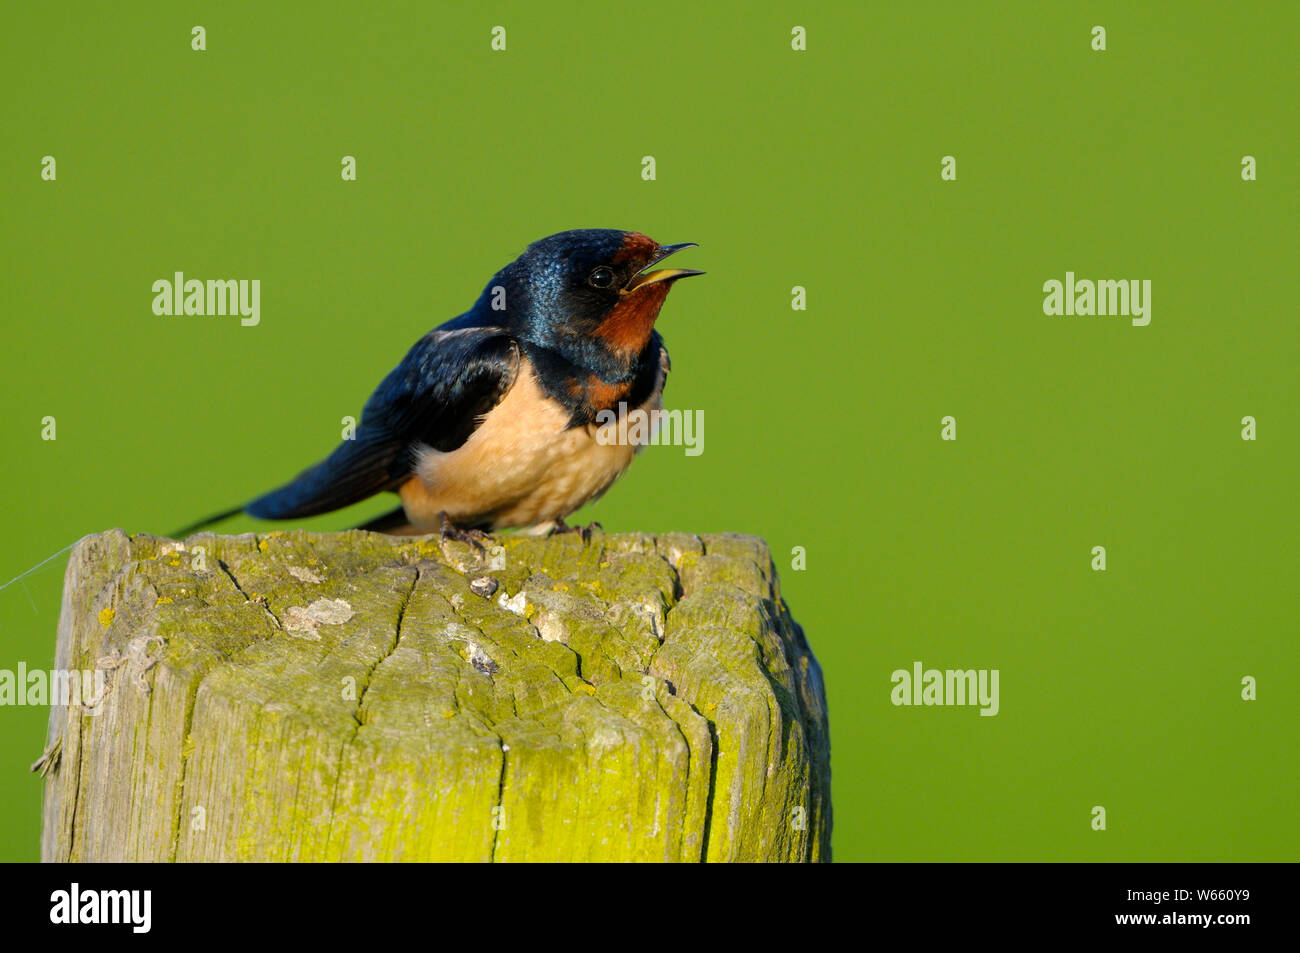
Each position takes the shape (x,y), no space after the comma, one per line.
(353,696)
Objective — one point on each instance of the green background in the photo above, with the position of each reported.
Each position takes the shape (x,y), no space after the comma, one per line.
(817,168)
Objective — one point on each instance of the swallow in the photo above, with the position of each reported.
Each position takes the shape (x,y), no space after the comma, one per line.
(490,420)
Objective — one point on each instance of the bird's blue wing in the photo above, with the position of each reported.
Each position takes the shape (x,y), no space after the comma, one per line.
(436,396)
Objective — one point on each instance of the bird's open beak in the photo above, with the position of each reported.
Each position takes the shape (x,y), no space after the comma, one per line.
(647,277)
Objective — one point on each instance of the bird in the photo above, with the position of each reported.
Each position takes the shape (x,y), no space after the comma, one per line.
(491,421)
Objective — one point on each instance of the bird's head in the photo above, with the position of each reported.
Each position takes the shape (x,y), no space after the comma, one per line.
(592,287)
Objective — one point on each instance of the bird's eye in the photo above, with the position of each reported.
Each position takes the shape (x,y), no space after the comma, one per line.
(601,278)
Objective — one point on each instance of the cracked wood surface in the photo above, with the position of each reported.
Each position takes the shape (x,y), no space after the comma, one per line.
(353,696)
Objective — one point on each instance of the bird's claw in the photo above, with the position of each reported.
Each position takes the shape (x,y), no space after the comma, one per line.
(586,532)
(474,537)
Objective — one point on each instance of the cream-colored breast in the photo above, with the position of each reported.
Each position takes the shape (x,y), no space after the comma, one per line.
(521,467)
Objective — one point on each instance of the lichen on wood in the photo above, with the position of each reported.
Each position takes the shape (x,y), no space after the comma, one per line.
(352,696)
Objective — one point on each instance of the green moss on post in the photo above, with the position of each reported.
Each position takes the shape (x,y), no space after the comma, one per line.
(351,696)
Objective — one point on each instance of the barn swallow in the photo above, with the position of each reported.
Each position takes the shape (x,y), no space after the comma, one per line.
(490,421)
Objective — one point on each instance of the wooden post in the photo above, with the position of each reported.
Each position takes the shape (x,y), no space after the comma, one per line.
(353,696)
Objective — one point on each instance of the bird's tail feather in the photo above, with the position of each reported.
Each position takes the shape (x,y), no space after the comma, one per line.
(206,521)
(357,469)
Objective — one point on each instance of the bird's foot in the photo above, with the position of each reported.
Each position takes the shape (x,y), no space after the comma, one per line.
(474,537)
(586,532)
